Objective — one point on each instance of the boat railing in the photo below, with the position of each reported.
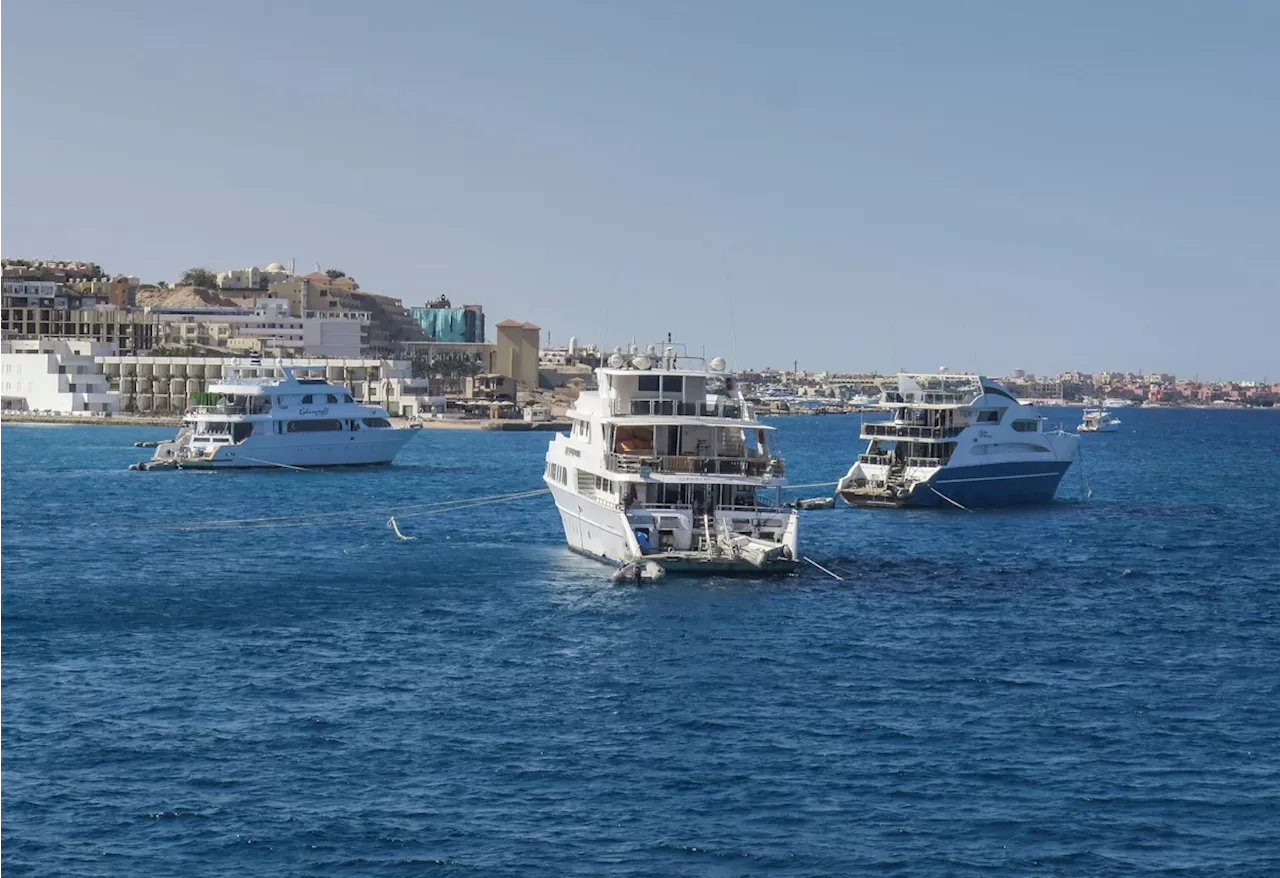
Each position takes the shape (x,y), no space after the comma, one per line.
(689,465)
(928,397)
(222,410)
(676,408)
(875,459)
(902,431)
(925,461)
(759,509)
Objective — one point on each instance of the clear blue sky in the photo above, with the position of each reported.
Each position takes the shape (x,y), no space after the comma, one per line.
(990,185)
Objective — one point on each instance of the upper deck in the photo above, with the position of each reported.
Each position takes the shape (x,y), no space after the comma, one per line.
(646,386)
(942,390)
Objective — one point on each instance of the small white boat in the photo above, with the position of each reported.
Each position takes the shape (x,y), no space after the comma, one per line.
(280,422)
(1097,421)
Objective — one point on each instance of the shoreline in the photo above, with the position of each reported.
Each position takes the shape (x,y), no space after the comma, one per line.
(499,425)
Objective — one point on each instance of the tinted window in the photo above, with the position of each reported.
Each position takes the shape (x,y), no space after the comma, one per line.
(317,425)
(1025,426)
(306,399)
(377,422)
(989,417)
(346,397)
(648,382)
(673,383)
(330,398)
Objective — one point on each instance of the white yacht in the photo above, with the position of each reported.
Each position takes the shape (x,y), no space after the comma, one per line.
(959,440)
(284,421)
(665,467)
(1116,402)
(1098,421)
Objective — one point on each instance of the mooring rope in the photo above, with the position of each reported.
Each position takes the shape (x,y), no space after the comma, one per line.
(329,519)
(321,515)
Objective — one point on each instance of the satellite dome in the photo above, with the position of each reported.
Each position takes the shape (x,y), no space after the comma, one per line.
(616,361)
(717,364)
(642,362)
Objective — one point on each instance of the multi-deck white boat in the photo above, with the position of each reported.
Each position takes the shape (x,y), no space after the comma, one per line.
(1098,421)
(665,467)
(956,439)
(280,421)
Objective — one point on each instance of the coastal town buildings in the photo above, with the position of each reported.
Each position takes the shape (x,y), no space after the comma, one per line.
(517,354)
(166,385)
(56,375)
(253,278)
(440,321)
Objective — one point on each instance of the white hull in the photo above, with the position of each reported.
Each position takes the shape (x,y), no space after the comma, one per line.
(605,532)
(362,448)
(592,528)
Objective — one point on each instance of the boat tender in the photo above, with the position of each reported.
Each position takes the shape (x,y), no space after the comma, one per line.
(1098,421)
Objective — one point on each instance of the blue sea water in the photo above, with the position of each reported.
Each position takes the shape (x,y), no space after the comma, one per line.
(1088,688)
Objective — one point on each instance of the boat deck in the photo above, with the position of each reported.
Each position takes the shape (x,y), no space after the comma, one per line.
(701,562)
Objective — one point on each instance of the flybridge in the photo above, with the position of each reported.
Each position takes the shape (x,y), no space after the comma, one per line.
(667,360)
(942,390)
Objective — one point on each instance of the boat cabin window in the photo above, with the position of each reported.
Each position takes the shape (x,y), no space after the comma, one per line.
(346,397)
(241,431)
(634,440)
(990,416)
(315,425)
(330,398)
(306,400)
(377,422)
(673,383)
(649,383)
(1026,426)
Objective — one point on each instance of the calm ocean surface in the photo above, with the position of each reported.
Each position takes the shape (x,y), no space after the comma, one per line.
(1087,688)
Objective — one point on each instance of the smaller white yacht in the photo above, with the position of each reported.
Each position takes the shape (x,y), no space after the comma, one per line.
(1116,402)
(1098,421)
(289,421)
(960,440)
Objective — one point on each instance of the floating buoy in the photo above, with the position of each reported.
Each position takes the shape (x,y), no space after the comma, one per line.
(391,523)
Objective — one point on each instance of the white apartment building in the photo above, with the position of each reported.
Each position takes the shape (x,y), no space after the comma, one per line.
(56,375)
(268,327)
(166,385)
(253,278)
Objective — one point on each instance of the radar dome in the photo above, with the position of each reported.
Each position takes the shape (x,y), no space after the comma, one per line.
(717,364)
(616,361)
(642,362)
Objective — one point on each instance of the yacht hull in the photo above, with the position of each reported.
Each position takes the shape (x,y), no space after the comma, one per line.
(361,449)
(990,485)
(604,533)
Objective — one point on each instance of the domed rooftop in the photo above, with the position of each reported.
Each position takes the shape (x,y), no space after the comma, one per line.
(275,266)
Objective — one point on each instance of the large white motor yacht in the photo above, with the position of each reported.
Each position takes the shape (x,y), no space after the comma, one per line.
(666,465)
(955,439)
(269,421)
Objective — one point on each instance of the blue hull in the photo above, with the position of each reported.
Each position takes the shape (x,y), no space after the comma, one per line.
(1001,484)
